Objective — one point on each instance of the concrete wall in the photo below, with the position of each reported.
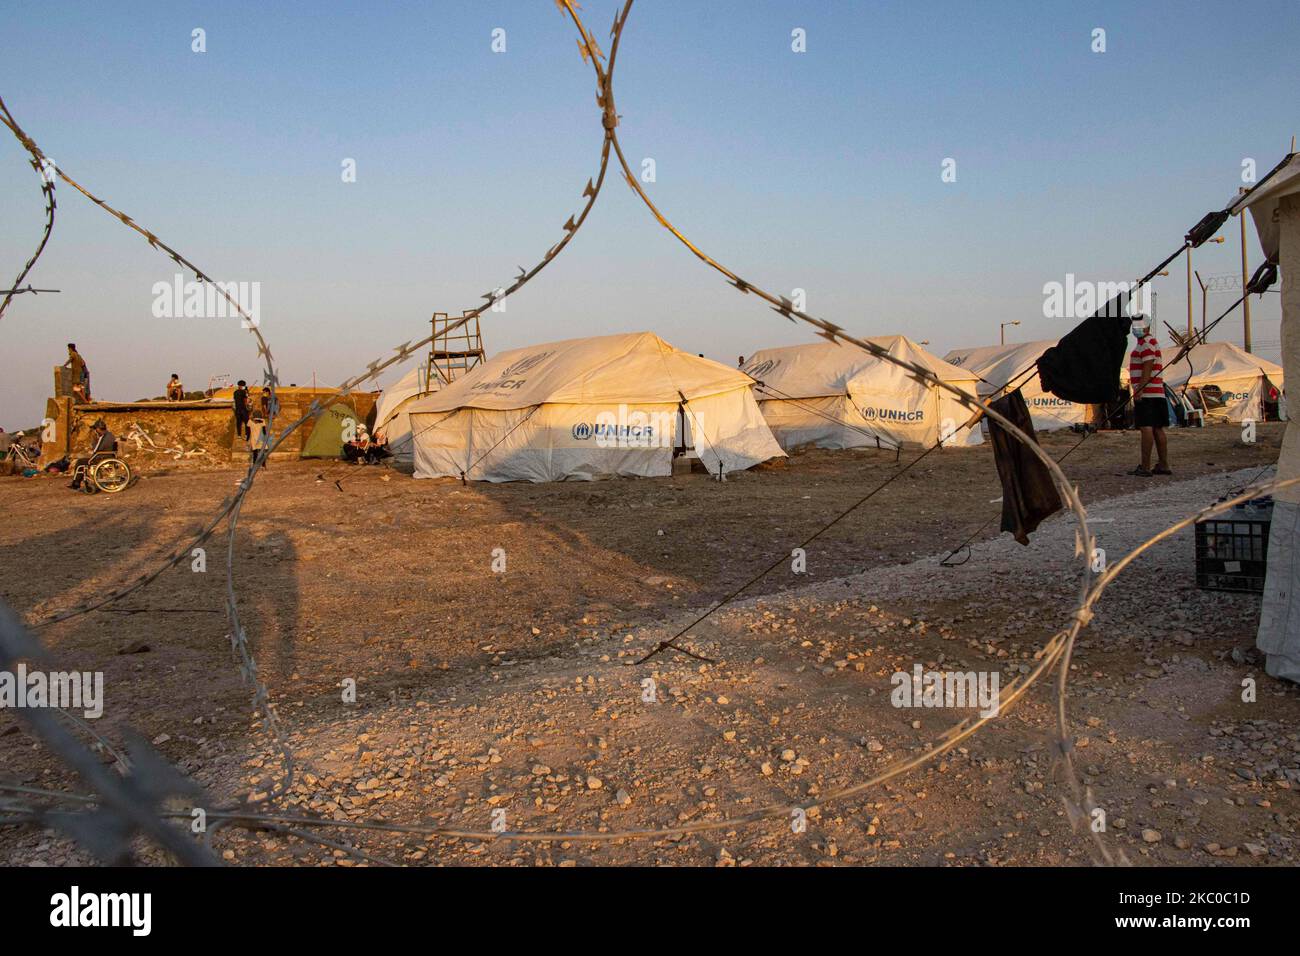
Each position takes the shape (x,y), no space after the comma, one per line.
(181,432)
(1279,618)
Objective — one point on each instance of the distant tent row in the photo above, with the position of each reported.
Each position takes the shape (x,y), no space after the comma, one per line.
(1225,381)
(627,404)
(839,396)
(1220,372)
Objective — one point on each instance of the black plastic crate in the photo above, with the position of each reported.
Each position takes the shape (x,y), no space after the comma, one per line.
(1232,550)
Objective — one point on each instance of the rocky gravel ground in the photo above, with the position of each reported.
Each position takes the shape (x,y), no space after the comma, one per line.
(799,705)
(516,704)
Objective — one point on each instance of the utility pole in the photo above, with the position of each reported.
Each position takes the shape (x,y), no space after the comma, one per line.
(1201,283)
(1245,280)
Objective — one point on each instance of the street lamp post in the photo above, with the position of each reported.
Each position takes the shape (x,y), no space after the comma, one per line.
(1191,325)
(1245,280)
(1201,283)
(1002,331)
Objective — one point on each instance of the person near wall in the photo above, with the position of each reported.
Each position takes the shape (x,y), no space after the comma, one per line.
(80,373)
(377,450)
(175,389)
(241,411)
(355,451)
(102,443)
(259,440)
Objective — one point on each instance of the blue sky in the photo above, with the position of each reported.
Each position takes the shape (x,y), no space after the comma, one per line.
(818,170)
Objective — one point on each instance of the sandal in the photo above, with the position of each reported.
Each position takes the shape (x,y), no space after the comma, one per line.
(1141,472)
(1158,470)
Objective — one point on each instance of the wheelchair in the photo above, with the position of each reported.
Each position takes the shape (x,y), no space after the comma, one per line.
(106,473)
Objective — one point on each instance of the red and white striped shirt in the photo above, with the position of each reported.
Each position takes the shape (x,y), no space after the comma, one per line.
(1147,348)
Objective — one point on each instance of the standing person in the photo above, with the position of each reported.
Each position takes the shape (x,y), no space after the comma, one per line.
(1150,410)
(241,411)
(80,373)
(266,403)
(260,441)
(175,390)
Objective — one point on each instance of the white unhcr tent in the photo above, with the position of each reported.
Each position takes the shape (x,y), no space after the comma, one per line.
(589,408)
(1243,379)
(392,412)
(839,396)
(1275,207)
(996,365)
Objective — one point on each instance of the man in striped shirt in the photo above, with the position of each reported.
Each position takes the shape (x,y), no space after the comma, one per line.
(1150,410)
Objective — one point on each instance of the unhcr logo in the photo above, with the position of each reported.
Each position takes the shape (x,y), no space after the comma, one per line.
(628,429)
(509,380)
(526,364)
(762,368)
(1049,402)
(892,414)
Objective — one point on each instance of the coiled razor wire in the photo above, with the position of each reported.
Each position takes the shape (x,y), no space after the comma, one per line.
(16,642)
(47,191)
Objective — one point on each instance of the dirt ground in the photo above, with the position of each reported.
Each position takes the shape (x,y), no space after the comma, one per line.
(480,691)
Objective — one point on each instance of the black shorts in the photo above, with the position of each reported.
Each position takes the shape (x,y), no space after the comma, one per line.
(1151,412)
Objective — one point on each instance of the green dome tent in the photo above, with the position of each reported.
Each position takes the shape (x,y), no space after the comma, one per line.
(337,426)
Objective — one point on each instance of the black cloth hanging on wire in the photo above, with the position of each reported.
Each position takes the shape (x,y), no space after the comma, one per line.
(1084,366)
(1029,496)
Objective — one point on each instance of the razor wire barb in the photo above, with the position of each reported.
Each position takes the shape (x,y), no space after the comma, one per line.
(1056,653)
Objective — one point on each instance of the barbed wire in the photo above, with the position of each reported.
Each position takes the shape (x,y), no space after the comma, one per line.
(47,192)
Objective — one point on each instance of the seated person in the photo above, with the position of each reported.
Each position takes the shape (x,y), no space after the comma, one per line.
(175,390)
(103,445)
(377,450)
(355,450)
